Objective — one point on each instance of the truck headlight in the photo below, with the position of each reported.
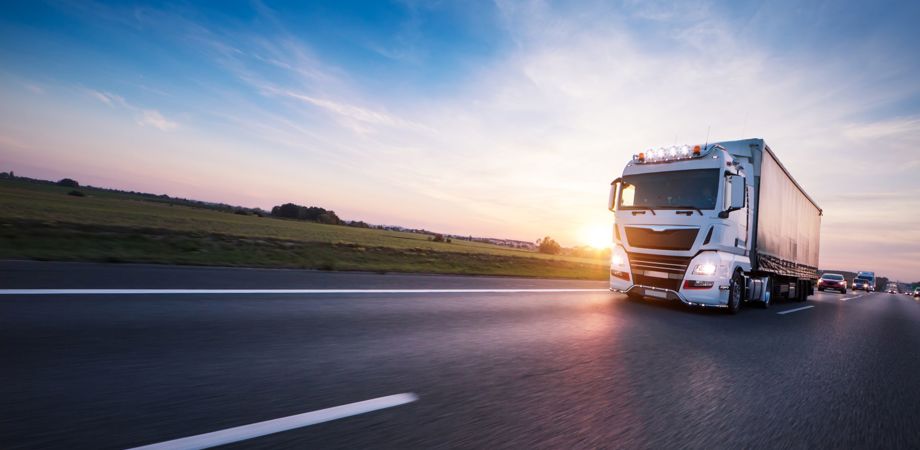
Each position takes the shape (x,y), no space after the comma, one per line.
(706,269)
(618,259)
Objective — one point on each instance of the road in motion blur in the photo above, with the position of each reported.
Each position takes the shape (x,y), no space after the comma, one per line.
(526,370)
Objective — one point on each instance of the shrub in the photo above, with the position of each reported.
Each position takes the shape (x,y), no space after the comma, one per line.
(549,246)
(76,193)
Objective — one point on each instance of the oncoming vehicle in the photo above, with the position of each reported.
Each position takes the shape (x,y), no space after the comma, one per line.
(916,292)
(893,288)
(868,276)
(713,225)
(832,281)
(861,284)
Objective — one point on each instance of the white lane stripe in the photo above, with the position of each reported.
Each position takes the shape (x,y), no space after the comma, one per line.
(794,310)
(241,433)
(275,291)
(851,298)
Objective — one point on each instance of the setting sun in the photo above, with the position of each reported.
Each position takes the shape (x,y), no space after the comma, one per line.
(596,235)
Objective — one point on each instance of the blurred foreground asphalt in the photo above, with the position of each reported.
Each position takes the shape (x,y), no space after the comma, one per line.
(491,370)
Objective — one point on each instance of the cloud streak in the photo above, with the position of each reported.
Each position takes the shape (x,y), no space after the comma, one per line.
(153,118)
(144,117)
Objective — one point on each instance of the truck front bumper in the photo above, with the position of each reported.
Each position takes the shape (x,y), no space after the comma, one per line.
(667,294)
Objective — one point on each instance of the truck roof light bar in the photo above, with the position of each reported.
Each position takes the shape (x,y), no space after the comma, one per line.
(667,154)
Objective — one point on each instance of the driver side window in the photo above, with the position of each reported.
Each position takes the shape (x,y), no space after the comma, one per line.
(627,195)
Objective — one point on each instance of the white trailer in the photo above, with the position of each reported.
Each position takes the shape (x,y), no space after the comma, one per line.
(713,225)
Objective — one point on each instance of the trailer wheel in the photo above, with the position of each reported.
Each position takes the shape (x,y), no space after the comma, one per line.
(801,290)
(735,293)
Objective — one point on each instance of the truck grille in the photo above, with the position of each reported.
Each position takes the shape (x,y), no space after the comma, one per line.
(649,270)
(673,239)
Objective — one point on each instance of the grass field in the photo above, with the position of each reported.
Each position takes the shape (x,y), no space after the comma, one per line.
(39,221)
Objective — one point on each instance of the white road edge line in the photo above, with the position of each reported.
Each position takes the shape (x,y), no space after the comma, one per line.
(241,433)
(794,310)
(275,291)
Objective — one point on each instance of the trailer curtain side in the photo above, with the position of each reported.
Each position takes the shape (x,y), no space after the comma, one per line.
(788,223)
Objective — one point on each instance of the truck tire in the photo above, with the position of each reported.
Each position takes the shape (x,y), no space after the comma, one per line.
(801,291)
(735,293)
(767,294)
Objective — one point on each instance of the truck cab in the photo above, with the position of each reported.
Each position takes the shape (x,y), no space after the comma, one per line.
(683,212)
(686,220)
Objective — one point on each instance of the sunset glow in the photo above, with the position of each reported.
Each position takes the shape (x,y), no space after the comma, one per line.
(597,235)
(507,120)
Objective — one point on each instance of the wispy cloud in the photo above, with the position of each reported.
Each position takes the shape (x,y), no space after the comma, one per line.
(153,118)
(145,117)
(890,128)
(357,113)
(108,98)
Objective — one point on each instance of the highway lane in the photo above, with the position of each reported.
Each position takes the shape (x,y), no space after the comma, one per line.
(540,370)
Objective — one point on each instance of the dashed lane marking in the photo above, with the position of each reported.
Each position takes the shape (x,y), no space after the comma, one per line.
(795,310)
(242,433)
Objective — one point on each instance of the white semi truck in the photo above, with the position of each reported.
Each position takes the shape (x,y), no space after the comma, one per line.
(713,225)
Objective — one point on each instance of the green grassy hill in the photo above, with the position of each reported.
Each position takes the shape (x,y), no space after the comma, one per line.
(40,221)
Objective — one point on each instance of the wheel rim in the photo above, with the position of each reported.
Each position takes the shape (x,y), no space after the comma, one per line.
(736,295)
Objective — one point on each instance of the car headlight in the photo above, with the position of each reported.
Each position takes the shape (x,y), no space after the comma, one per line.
(618,259)
(707,269)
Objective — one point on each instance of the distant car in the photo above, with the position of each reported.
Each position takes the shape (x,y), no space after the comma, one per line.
(917,292)
(832,281)
(870,276)
(861,284)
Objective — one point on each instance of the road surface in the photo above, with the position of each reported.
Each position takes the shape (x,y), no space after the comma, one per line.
(577,369)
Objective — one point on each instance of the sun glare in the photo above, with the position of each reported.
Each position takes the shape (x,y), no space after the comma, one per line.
(597,236)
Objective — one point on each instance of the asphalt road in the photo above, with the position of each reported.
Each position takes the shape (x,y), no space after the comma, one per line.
(493,370)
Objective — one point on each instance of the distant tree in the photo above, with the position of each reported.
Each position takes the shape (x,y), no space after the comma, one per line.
(549,246)
(358,224)
(287,210)
(68,182)
(438,238)
(328,217)
(311,213)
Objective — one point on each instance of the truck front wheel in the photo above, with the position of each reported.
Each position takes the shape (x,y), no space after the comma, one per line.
(735,292)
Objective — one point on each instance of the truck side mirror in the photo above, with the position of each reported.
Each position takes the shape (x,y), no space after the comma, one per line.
(734,194)
(614,193)
(738,197)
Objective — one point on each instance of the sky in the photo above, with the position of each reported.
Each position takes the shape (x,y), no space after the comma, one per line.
(503,119)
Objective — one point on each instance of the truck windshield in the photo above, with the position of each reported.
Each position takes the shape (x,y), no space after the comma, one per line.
(691,189)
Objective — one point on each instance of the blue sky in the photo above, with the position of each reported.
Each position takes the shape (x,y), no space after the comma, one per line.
(491,118)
